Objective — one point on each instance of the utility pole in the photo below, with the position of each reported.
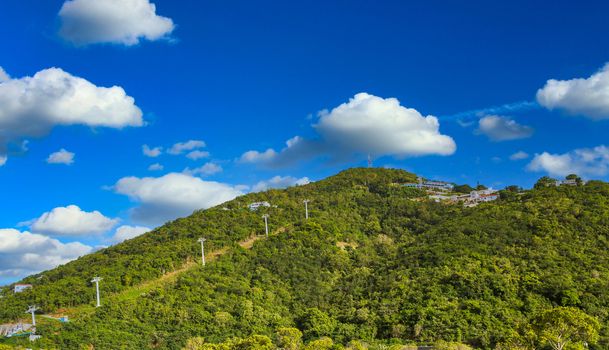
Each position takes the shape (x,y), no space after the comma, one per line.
(31,310)
(306,203)
(202,240)
(96,281)
(266,224)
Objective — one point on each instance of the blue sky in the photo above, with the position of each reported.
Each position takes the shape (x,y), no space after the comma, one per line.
(347,78)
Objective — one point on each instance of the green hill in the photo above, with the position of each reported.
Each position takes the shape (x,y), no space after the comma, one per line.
(374,263)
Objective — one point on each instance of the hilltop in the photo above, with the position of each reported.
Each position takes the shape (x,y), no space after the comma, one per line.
(376,262)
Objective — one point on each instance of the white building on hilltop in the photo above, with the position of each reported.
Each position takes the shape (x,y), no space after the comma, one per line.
(440,186)
(254,206)
(566,182)
(18,288)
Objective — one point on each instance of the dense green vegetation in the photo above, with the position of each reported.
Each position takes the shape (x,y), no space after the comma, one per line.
(374,264)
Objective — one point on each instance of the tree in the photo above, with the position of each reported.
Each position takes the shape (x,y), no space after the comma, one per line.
(195,343)
(575,177)
(289,338)
(254,342)
(317,323)
(561,326)
(513,188)
(545,182)
(463,188)
(323,343)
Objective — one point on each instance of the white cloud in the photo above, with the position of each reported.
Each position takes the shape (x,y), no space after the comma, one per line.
(373,125)
(71,221)
(126,232)
(156,167)
(500,128)
(25,253)
(206,169)
(151,152)
(4,75)
(172,195)
(583,161)
(280,182)
(194,155)
(61,157)
(258,157)
(587,97)
(32,106)
(519,155)
(366,124)
(124,22)
(189,145)
(2,160)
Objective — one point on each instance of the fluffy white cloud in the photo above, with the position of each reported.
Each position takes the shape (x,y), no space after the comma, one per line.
(194,155)
(2,159)
(126,232)
(61,157)
(156,167)
(151,152)
(500,128)
(519,155)
(206,169)
(189,145)
(381,126)
(172,195)
(583,161)
(4,75)
(587,97)
(366,124)
(32,106)
(124,22)
(280,182)
(258,157)
(72,221)
(25,253)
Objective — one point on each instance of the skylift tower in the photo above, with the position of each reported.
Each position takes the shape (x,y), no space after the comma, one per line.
(32,310)
(306,203)
(202,241)
(266,224)
(96,281)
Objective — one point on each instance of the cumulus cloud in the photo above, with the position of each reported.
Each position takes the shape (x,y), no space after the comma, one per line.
(583,161)
(4,75)
(366,124)
(258,157)
(32,106)
(588,97)
(25,253)
(209,168)
(71,221)
(2,159)
(500,128)
(194,155)
(172,195)
(520,155)
(126,232)
(126,22)
(381,126)
(61,157)
(279,182)
(156,167)
(189,145)
(151,152)
(297,148)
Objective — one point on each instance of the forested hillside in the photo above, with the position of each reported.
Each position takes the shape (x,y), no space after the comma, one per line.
(375,264)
